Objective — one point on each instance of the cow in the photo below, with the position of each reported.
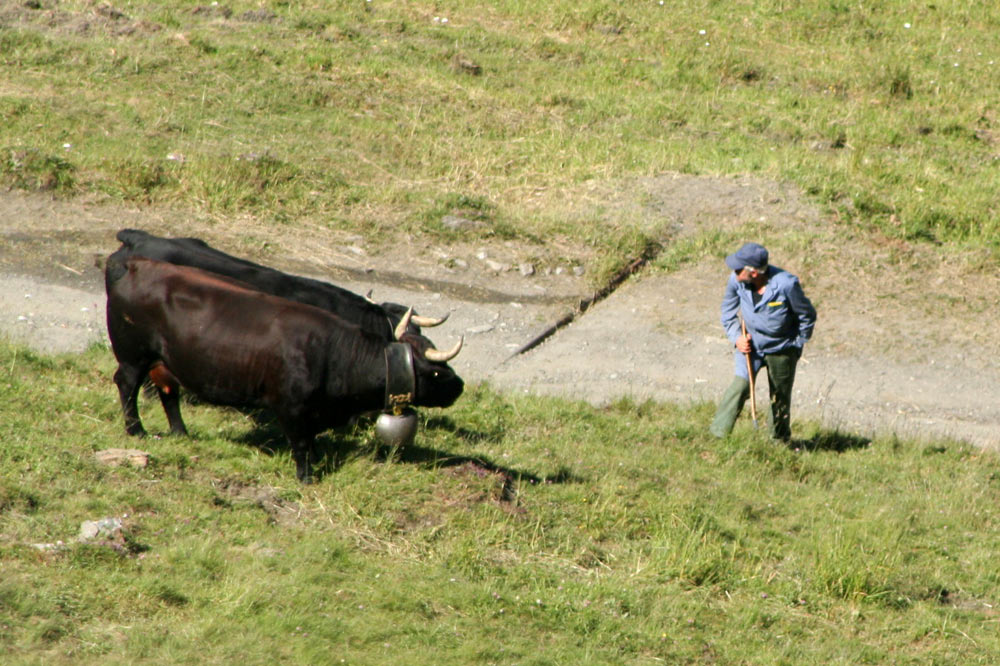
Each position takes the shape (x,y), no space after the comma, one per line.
(233,345)
(378,318)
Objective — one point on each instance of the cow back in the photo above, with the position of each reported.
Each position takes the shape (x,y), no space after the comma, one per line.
(198,254)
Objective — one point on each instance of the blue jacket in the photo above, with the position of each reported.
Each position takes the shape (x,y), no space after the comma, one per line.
(782,318)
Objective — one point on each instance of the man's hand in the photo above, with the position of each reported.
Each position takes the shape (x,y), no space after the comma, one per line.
(743,343)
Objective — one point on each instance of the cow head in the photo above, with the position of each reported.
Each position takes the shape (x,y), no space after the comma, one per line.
(435,383)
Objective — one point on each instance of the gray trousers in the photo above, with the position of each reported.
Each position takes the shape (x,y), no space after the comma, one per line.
(780,377)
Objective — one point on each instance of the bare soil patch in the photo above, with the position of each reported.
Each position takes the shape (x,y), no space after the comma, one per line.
(903,344)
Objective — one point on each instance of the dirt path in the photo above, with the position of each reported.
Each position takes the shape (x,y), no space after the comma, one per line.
(883,359)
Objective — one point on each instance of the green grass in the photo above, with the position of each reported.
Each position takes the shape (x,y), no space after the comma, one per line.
(624,535)
(356,115)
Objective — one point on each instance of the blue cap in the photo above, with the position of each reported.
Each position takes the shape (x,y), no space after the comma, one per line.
(751,254)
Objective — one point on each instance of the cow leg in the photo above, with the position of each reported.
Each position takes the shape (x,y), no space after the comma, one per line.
(302,450)
(171,402)
(129,380)
(301,438)
(168,388)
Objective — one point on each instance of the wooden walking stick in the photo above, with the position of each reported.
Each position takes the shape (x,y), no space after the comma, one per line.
(753,398)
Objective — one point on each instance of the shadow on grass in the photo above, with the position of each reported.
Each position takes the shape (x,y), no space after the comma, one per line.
(423,455)
(334,446)
(827,440)
(329,450)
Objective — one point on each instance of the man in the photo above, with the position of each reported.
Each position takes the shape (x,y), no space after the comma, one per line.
(779,320)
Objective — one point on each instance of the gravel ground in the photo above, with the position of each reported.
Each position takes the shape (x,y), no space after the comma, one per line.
(657,337)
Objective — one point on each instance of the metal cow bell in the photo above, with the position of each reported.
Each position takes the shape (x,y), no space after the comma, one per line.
(397,430)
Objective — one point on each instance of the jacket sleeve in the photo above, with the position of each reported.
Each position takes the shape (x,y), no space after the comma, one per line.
(730,311)
(804,311)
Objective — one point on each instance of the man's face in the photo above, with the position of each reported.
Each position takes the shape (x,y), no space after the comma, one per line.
(746,274)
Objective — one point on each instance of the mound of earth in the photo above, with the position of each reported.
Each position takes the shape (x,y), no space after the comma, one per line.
(901,346)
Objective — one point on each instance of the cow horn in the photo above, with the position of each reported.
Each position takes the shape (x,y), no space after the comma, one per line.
(368,296)
(429,322)
(403,324)
(444,356)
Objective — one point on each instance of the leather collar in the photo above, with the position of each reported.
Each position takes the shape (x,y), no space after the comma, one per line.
(400,381)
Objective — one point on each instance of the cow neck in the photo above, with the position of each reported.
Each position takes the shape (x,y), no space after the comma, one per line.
(400,381)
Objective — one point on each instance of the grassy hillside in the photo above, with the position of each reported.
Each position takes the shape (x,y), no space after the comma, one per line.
(516,530)
(383,116)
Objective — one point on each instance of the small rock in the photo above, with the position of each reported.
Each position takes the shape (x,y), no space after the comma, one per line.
(456,223)
(105,528)
(578,271)
(486,328)
(497,266)
(526,269)
(117,457)
(459,263)
(466,66)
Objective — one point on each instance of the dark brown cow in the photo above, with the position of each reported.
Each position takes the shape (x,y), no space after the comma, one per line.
(379,318)
(233,345)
